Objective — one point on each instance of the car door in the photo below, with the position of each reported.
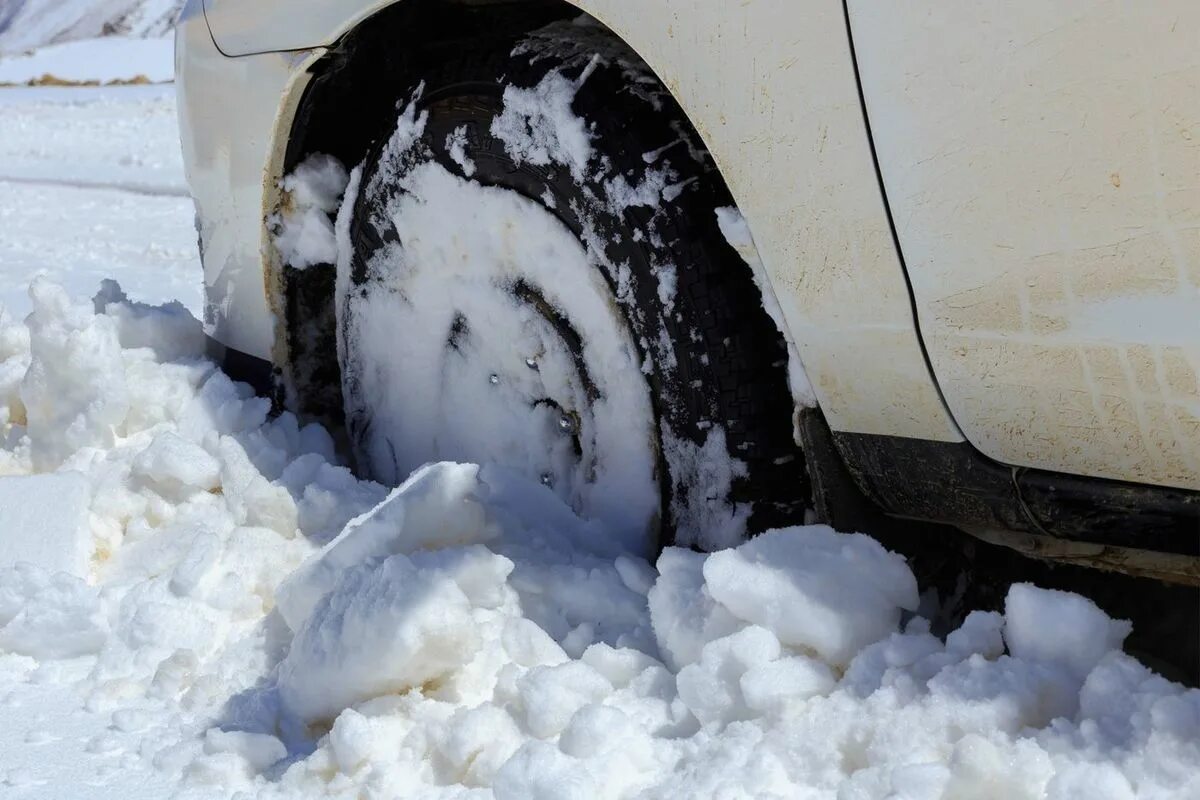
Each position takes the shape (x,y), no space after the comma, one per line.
(1041,159)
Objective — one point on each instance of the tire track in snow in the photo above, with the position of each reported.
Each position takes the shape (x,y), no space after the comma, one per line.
(133,187)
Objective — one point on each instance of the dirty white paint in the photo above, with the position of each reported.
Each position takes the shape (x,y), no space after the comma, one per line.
(770,87)
(1042,160)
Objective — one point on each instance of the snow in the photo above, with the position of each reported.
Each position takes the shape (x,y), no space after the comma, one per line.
(92,187)
(48,615)
(703,476)
(1059,628)
(438,506)
(456,144)
(467,634)
(312,194)
(113,138)
(112,59)
(388,628)
(52,511)
(539,127)
(825,592)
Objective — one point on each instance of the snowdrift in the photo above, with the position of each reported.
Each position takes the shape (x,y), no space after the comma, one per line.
(260,620)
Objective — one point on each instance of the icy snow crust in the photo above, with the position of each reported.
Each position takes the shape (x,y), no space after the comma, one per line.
(254,619)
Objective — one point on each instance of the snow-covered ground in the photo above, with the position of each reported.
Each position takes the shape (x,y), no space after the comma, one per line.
(92,187)
(234,614)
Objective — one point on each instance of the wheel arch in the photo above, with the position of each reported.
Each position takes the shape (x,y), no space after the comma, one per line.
(338,89)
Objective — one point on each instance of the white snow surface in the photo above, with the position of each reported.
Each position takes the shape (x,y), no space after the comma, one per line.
(92,187)
(52,510)
(254,621)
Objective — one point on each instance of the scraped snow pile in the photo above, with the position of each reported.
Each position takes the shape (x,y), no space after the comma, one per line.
(246,616)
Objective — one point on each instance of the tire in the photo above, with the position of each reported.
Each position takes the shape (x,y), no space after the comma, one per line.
(712,361)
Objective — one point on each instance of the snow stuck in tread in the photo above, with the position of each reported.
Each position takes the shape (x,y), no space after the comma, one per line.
(258,620)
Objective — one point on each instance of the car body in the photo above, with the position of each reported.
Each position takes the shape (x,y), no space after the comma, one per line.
(981,223)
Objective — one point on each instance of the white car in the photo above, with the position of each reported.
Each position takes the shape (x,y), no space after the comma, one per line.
(703,267)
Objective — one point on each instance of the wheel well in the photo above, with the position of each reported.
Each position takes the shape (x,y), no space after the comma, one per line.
(356,81)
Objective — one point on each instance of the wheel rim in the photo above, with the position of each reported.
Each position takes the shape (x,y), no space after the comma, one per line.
(482,331)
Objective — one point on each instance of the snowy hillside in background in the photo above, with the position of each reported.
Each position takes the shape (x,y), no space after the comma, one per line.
(29,24)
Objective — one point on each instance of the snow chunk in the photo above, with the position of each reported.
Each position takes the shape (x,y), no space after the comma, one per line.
(176,465)
(1059,628)
(48,616)
(74,391)
(769,688)
(437,506)
(478,743)
(682,610)
(303,228)
(711,688)
(552,695)
(387,628)
(538,125)
(540,771)
(814,588)
(46,522)
(456,145)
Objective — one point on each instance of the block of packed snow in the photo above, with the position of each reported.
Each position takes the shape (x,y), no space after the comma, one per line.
(48,615)
(540,771)
(388,627)
(832,593)
(304,231)
(175,465)
(45,520)
(551,695)
(438,506)
(769,688)
(711,687)
(478,741)
(682,612)
(1059,628)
